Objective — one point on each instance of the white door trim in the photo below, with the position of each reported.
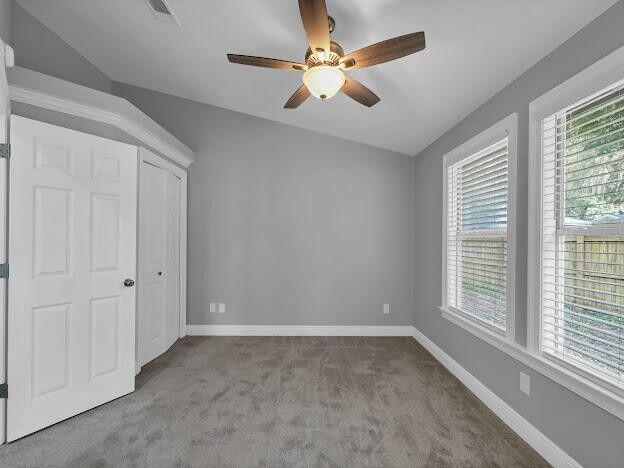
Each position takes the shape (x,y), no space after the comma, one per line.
(6,61)
(151,158)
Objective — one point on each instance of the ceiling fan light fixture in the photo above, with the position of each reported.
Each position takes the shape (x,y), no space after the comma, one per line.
(325,60)
(324,81)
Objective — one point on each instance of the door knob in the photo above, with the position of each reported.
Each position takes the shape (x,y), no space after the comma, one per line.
(128,283)
(160,273)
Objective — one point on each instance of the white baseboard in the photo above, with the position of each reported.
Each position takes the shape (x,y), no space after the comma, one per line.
(551,452)
(299,330)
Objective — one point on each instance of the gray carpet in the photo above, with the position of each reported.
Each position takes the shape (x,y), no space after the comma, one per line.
(284,401)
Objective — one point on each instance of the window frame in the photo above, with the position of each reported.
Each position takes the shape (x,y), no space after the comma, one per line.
(590,82)
(470,150)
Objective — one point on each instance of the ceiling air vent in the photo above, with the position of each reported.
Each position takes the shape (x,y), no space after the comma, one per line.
(162,11)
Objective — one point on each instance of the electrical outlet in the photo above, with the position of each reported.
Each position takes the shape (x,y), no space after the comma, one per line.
(213,307)
(386,309)
(525,383)
(221,308)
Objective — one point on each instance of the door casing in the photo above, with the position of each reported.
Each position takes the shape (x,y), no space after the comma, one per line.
(6,61)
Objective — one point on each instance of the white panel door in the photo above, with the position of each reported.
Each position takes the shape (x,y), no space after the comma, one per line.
(72,245)
(159,272)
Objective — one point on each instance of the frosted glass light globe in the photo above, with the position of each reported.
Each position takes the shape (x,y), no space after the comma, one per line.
(324,81)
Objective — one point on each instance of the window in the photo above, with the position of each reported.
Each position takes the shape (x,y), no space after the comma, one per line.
(478,270)
(581,273)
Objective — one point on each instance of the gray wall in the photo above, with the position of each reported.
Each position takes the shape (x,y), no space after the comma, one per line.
(38,48)
(287,226)
(6,20)
(592,436)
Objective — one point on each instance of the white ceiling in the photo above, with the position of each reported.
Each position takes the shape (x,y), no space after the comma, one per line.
(474,49)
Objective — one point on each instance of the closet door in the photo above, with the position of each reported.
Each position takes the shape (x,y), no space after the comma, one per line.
(159,271)
(72,231)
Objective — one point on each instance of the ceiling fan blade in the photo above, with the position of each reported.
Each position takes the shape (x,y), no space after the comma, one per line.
(360,93)
(266,62)
(384,51)
(297,98)
(315,23)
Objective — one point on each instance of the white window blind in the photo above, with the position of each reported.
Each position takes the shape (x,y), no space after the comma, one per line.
(476,251)
(582,237)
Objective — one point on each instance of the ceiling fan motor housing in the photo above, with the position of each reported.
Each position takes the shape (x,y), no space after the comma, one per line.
(324,58)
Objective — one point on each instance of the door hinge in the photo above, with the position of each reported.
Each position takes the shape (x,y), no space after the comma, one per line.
(5,151)
(4,270)
(4,390)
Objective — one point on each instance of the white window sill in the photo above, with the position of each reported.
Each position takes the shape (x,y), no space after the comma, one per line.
(483,327)
(591,391)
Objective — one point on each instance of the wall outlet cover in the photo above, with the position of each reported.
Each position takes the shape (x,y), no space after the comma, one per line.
(213,307)
(386,308)
(221,308)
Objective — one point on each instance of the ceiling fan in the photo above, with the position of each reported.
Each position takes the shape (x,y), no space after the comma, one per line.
(326,62)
